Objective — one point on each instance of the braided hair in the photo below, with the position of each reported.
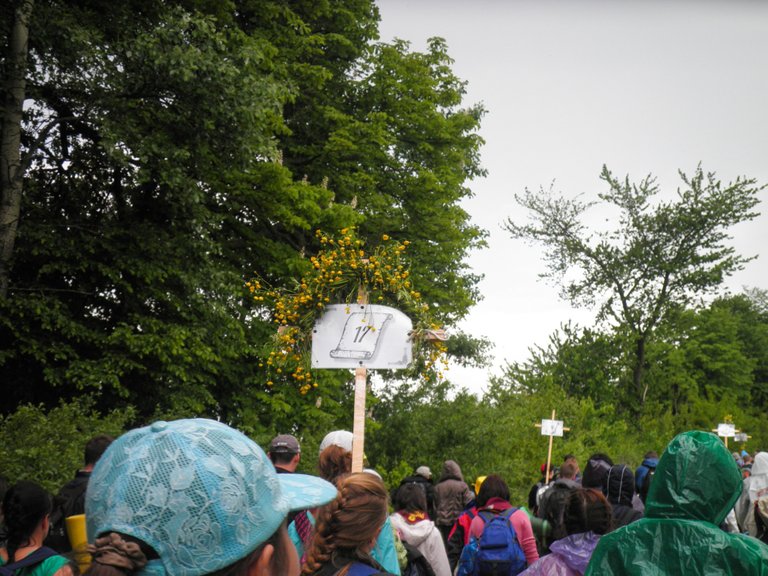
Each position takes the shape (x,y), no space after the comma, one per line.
(348,525)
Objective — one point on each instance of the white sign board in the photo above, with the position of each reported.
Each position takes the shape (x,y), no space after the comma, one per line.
(362,335)
(741,437)
(726,430)
(551,427)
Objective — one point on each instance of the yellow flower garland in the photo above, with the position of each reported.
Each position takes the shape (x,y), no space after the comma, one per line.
(338,273)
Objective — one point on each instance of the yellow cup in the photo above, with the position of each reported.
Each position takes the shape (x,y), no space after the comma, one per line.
(79,540)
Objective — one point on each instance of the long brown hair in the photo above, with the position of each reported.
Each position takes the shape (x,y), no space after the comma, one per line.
(350,523)
(335,462)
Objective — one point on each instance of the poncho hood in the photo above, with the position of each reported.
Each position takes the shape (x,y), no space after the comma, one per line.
(451,470)
(696,479)
(576,550)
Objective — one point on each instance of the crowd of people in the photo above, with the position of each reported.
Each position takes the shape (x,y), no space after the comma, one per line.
(196,497)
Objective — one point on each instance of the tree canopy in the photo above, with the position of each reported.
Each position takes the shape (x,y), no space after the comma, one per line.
(173,150)
(660,255)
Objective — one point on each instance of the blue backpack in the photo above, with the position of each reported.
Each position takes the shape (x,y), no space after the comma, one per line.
(498,551)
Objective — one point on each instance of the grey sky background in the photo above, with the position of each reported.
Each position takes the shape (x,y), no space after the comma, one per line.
(643,86)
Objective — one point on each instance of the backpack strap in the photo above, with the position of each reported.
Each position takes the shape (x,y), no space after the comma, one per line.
(486,515)
(39,555)
(360,569)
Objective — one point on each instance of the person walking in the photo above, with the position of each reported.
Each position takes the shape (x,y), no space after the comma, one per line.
(347,529)
(695,485)
(191,498)
(26,507)
(451,497)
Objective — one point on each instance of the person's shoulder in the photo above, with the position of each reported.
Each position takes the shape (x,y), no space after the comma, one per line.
(54,566)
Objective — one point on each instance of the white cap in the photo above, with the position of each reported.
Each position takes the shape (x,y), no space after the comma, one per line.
(340,438)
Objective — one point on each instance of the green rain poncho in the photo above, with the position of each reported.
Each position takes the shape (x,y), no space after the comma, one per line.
(696,484)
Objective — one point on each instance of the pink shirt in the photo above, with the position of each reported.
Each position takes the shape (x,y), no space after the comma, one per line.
(522,525)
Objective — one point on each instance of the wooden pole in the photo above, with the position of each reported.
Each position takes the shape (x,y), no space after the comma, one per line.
(358,425)
(549,452)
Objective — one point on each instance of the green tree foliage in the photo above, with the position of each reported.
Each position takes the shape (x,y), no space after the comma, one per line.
(659,257)
(47,445)
(175,149)
(703,365)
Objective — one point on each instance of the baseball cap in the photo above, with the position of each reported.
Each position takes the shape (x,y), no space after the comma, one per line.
(424,471)
(340,438)
(200,493)
(285,443)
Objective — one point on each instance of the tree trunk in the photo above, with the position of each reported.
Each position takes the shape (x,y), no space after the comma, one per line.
(11,172)
(638,371)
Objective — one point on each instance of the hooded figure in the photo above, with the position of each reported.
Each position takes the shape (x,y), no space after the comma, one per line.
(650,461)
(695,486)
(619,487)
(755,486)
(451,496)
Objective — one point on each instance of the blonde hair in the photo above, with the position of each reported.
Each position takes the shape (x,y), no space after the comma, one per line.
(350,523)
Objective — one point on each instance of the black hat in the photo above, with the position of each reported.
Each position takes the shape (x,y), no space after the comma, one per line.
(284,443)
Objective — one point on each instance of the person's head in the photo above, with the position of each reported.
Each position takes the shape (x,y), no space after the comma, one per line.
(596,470)
(587,511)
(571,459)
(95,447)
(696,479)
(619,485)
(26,507)
(568,470)
(350,524)
(651,454)
(285,452)
(493,487)
(340,438)
(424,472)
(411,497)
(191,498)
(334,463)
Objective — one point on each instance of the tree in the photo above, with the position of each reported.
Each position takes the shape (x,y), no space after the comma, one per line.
(12,164)
(176,149)
(660,256)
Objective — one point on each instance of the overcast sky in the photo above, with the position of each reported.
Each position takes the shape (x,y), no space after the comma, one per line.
(644,86)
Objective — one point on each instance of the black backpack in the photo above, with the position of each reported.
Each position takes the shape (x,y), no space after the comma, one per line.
(552,509)
(417,564)
(68,502)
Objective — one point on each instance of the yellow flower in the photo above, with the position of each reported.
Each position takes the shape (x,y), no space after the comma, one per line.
(385,237)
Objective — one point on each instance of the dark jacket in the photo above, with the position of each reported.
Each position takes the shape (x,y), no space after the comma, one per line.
(552,506)
(70,501)
(451,494)
(459,536)
(619,488)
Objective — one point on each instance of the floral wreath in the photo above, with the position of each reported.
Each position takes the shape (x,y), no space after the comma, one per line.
(340,273)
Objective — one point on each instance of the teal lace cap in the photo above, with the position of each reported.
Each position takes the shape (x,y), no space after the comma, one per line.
(202,494)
